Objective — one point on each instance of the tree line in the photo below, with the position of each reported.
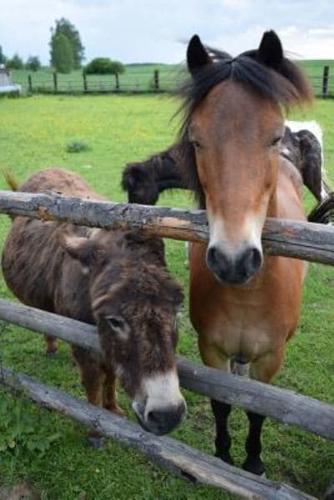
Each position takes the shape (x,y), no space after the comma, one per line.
(67,53)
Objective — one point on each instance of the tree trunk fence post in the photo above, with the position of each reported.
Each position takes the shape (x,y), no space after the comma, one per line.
(55,82)
(156,80)
(325,79)
(30,84)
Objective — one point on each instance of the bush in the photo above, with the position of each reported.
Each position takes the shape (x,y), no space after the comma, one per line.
(15,63)
(33,63)
(104,66)
(77,147)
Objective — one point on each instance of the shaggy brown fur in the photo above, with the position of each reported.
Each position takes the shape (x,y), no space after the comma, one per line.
(144,181)
(116,280)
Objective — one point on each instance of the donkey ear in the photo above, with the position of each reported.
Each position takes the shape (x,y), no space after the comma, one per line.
(270,51)
(197,56)
(79,248)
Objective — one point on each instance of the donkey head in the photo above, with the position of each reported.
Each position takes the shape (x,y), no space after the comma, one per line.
(135,302)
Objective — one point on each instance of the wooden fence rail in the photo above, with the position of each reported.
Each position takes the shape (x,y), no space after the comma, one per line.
(307,241)
(166,452)
(280,404)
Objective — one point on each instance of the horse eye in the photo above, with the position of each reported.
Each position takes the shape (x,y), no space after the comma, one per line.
(276,141)
(196,144)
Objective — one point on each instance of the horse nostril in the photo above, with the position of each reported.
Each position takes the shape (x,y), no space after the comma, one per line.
(252,260)
(163,421)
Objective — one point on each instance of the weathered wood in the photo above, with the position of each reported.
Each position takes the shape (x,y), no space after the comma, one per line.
(166,452)
(325,78)
(307,241)
(280,404)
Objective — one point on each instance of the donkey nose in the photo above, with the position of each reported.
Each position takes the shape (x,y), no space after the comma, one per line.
(231,268)
(162,421)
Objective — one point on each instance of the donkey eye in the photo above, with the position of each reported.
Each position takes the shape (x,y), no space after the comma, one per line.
(115,322)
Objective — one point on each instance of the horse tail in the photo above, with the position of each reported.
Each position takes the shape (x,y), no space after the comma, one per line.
(10,180)
(323,213)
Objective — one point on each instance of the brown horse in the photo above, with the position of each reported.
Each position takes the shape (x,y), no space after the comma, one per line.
(243,305)
(118,281)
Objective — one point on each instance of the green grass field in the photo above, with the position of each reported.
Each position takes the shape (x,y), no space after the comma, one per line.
(49,450)
(140,77)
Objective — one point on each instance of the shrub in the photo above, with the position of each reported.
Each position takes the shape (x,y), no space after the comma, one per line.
(104,66)
(77,147)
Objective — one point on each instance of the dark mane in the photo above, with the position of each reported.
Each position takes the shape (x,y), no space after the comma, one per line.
(284,84)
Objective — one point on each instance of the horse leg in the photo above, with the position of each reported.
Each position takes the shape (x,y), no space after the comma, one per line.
(51,345)
(92,379)
(214,358)
(110,394)
(223,440)
(264,369)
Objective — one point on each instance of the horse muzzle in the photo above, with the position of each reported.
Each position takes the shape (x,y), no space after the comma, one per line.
(234,269)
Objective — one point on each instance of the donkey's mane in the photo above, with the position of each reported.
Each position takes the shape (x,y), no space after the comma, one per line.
(285,85)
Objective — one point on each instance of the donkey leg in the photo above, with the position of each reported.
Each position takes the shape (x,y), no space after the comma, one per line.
(253,462)
(110,394)
(51,345)
(223,440)
(92,379)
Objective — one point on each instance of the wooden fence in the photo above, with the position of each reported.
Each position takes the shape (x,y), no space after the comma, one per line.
(301,240)
(153,82)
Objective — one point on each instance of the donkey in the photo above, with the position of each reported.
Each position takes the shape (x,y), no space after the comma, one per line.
(116,280)
(245,306)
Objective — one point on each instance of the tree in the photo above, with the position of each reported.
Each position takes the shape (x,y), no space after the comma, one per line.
(62,54)
(33,63)
(104,66)
(3,58)
(66,28)
(15,63)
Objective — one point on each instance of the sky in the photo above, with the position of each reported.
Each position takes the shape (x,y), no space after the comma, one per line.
(156,30)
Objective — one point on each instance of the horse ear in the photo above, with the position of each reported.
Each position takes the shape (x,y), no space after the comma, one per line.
(197,56)
(270,51)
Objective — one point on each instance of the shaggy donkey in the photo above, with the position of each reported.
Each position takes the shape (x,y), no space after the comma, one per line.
(116,280)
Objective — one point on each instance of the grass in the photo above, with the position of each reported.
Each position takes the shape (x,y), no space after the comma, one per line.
(34,133)
(140,77)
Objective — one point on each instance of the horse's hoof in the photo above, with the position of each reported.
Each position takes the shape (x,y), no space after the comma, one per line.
(255,467)
(51,354)
(96,442)
(225,457)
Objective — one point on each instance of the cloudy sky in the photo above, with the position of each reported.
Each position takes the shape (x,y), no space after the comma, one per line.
(153,30)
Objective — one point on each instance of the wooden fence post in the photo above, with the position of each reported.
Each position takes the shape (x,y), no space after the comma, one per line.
(84,78)
(55,82)
(156,80)
(325,78)
(30,83)
(117,81)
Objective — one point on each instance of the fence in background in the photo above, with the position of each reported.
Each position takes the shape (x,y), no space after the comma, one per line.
(141,82)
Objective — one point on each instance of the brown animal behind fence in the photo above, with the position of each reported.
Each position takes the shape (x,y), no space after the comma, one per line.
(116,280)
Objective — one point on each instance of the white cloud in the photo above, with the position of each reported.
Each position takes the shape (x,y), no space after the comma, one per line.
(150,30)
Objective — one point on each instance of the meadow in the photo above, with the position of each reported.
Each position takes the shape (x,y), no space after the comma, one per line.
(49,450)
(140,78)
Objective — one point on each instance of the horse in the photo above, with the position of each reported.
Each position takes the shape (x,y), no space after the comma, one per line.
(301,144)
(244,306)
(116,280)
(144,181)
